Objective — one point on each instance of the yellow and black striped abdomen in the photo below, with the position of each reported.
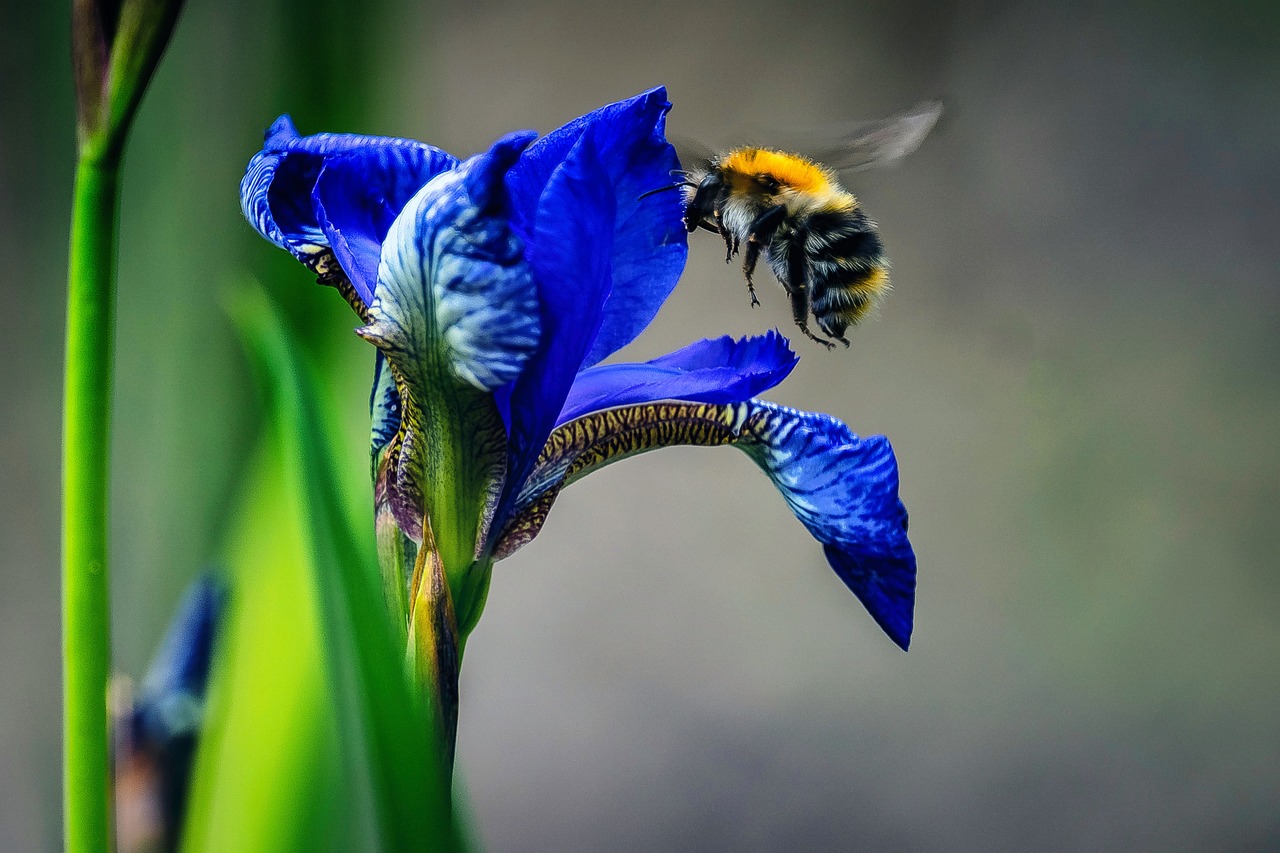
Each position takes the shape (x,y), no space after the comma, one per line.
(846,267)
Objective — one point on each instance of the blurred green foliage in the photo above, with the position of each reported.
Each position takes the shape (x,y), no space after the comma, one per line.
(228,73)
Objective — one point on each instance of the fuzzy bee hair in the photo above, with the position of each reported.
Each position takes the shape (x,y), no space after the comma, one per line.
(791,209)
(822,248)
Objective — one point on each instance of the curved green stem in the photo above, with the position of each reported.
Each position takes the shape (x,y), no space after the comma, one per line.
(86,628)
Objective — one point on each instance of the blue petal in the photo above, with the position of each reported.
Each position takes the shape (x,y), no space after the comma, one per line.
(357,196)
(156,740)
(285,198)
(172,692)
(649,243)
(844,489)
(453,278)
(569,250)
(709,371)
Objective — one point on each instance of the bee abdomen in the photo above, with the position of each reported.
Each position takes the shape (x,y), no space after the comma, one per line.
(848,270)
(848,298)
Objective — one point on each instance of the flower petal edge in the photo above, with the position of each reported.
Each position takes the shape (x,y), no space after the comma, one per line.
(842,488)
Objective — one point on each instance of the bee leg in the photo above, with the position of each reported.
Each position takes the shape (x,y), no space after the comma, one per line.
(834,328)
(800,311)
(837,333)
(749,266)
(767,223)
(798,290)
(730,244)
(760,233)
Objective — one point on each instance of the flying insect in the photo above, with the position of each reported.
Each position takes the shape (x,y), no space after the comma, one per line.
(792,210)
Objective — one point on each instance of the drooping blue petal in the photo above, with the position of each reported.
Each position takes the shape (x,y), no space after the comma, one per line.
(569,250)
(649,243)
(722,370)
(844,489)
(453,278)
(289,199)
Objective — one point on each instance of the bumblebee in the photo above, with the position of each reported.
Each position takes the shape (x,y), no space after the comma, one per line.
(824,250)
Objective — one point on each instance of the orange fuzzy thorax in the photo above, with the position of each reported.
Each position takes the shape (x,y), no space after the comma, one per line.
(791,170)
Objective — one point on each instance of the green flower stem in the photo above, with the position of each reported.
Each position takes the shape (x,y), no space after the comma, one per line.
(458,467)
(86,628)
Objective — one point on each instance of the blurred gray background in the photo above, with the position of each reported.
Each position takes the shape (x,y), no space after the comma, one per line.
(1077,369)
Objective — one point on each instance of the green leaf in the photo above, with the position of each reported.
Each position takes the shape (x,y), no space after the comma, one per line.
(352,687)
(269,770)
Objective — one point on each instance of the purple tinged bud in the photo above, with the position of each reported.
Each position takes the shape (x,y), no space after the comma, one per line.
(115,48)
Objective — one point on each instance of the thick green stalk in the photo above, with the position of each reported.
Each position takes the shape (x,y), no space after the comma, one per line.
(86,628)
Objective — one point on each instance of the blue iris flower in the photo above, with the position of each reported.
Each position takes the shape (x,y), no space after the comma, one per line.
(157,736)
(508,278)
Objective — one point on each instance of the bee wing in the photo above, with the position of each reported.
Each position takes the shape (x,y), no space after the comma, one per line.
(877,144)
(694,154)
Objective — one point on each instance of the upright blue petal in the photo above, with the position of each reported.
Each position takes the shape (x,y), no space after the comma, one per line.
(570,251)
(844,489)
(722,370)
(358,195)
(649,242)
(453,278)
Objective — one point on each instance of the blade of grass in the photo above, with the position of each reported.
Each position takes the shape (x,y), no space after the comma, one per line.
(269,774)
(376,701)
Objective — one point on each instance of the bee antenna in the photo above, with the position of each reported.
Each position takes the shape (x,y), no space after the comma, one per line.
(664,189)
